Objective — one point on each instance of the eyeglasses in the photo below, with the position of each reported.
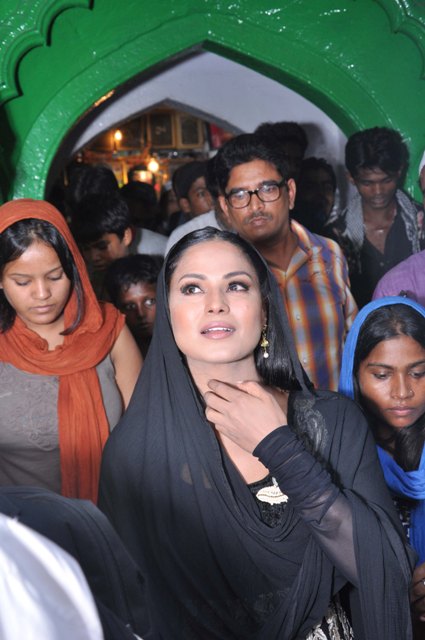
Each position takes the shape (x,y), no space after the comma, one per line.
(268,192)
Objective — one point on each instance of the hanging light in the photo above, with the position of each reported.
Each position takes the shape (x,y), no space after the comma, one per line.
(153,165)
(117,137)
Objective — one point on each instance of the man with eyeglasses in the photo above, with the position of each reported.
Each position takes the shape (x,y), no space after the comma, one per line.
(257,193)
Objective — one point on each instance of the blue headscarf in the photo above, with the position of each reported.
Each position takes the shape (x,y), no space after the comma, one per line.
(409,484)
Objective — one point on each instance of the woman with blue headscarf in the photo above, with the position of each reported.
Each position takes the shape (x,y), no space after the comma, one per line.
(383,368)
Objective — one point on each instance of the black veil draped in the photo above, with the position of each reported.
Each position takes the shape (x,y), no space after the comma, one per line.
(214,570)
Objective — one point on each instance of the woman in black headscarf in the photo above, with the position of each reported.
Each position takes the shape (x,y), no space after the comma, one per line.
(249,500)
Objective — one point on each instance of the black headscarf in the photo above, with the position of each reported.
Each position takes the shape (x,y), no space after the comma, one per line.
(213,568)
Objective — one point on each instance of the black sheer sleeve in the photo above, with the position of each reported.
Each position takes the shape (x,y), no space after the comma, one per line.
(320,503)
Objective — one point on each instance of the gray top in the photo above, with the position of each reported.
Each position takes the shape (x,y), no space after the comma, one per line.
(29,438)
(148,242)
(208,219)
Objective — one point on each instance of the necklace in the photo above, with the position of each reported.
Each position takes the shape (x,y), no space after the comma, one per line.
(272,494)
(383,227)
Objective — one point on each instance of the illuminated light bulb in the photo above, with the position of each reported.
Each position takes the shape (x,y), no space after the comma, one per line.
(153,165)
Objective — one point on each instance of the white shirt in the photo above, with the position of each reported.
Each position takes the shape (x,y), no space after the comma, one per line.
(148,242)
(208,219)
(43,592)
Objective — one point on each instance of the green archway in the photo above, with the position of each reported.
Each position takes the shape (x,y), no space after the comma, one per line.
(360,61)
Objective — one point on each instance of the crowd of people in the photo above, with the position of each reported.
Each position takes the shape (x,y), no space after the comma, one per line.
(234,375)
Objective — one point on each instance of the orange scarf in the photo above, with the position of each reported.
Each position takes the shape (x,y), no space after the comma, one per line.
(83,425)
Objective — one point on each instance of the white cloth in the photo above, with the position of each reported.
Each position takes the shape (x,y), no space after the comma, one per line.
(208,219)
(148,242)
(422,164)
(43,592)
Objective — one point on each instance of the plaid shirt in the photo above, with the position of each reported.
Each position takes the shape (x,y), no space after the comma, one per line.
(316,292)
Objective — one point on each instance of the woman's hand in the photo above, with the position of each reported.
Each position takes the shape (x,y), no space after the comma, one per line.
(417,592)
(245,412)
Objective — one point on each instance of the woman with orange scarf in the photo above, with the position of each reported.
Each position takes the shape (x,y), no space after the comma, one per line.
(68,363)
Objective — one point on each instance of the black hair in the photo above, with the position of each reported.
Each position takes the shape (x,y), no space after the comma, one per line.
(210,178)
(277,370)
(245,148)
(124,272)
(185,175)
(287,135)
(98,214)
(141,191)
(166,194)
(142,204)
(377,148)
(381,324)
(282,132)
(87,179)
(315,164)
(15,240)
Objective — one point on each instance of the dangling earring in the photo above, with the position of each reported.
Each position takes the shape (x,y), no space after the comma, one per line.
(264,342)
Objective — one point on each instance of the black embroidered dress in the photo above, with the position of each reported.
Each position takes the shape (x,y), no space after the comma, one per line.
(214,569)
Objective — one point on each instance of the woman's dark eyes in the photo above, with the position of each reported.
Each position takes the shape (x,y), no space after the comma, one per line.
(238,286)
(413,374)
(188,289)
(51,278)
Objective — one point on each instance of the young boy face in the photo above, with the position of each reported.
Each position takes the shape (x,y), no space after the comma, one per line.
(109,247)
(138,303)
(377,189)
(199,200)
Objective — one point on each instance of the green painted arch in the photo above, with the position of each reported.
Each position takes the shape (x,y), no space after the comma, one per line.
(326,51)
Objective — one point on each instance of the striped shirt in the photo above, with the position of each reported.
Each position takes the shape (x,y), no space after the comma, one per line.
(316,292)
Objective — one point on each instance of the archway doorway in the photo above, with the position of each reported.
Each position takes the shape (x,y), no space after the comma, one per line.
(246,98)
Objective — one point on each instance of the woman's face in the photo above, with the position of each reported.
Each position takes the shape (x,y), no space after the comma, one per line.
(36,286)
(392,381)
(215,304)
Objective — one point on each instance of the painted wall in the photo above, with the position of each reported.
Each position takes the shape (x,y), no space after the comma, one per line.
(361,62)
